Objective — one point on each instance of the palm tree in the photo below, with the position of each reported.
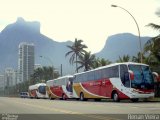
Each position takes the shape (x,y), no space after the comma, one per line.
(100,62)
(151,60)
(86,61)
(104,62)
(76,50)
(96,63)
(125,58)
(138,58)
(155,26)
(153,45)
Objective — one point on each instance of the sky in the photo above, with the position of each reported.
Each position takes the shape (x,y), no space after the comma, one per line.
(93,21)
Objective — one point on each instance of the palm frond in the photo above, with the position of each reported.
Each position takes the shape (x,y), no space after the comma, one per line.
(68,53)
(154,26)
(72,58)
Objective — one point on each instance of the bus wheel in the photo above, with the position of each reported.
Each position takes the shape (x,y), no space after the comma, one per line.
(81,97)
(115,97)
(36,97)
(63,97)
(134,99)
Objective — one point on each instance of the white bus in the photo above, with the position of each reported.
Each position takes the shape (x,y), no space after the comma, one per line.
(116,81)
(60,88)
(38,91)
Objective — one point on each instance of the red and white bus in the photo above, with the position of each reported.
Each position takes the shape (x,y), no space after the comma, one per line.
(60,88)
(117,81)
(38,91)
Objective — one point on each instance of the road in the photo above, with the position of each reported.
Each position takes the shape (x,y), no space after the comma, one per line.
(44,109)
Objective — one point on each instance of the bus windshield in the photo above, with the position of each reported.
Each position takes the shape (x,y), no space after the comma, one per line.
(42,89)
(143,78)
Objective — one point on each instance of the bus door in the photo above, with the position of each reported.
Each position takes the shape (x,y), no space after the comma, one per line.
(69,85)
(124,76)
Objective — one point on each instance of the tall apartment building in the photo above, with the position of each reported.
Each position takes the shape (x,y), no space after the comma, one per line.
(25,61)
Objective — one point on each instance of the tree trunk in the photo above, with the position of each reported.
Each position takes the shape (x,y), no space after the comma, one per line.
(76,65)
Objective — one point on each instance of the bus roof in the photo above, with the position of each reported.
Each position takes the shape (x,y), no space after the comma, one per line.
(31,87)
(113,64)
(66,76)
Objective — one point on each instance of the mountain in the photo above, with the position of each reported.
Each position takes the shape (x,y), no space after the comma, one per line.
(121,44)
(23,31)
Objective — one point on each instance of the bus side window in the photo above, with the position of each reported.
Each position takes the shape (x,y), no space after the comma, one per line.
(98,74)
(124,75)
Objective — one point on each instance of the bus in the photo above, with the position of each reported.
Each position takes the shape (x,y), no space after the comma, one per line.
(60,88)
(115,81)
(37,91)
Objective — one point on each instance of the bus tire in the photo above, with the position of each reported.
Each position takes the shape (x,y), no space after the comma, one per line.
(77,98)
(63,97)
(82,96)
(36,97)
(115,97)
(134,99)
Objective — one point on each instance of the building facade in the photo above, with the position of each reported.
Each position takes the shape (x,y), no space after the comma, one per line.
(10,77)
(2,83)
(25,61)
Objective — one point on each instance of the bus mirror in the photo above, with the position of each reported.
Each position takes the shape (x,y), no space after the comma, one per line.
(156,76)
(131,74)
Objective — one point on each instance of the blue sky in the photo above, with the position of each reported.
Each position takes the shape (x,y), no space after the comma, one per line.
(90,20)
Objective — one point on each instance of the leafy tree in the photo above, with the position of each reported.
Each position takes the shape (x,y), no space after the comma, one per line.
(104,62)
(151,60)
(96,63)
(76,50)
(100,62)
(43,74)
(137,58)
(125,58)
